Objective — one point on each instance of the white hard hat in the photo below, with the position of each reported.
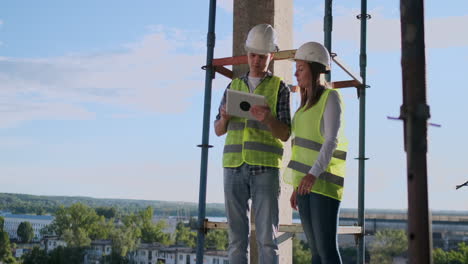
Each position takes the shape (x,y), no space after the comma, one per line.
(313,52)
(261,39)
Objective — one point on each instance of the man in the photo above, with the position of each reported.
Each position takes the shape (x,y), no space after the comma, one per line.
(253,152)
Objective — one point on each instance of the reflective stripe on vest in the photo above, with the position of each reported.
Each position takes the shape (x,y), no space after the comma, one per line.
(305,143)
(253,146)
(306,146)
(251,141)
(250,123)
(326,176)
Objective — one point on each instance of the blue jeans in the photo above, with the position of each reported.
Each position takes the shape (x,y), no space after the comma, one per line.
(319,218)
(263,190)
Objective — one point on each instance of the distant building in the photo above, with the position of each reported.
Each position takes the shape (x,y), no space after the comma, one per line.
(50,243)
(12,221)
(448,228)
(152,253)
(98,250)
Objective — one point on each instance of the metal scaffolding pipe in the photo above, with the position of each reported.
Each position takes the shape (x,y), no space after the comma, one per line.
(362,132)
(415,113)
(206,131)
(327,29)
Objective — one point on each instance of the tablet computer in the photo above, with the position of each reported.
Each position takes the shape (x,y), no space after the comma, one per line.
(238,103)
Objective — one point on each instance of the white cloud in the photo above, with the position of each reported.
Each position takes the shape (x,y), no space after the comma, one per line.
(158,74)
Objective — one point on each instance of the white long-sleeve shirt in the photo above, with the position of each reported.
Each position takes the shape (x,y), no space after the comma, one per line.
(329,126)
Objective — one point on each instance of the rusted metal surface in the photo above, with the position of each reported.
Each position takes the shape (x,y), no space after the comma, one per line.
(415,113)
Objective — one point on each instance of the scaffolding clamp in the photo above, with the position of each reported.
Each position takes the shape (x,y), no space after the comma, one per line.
(368,16)
(205,146)
(420,111)
(204,67)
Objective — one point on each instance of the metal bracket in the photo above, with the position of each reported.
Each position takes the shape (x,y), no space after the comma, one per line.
(283,237)
(358,236)
(361,87)
(368,16)
(205,67)
(420,111)
(204,146)
(361,158)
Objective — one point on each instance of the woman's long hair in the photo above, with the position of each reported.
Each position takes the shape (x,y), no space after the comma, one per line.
(310,98)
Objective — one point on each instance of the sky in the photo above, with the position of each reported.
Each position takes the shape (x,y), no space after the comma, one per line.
(105,98)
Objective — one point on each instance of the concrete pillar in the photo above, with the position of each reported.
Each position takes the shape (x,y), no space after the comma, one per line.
(279,14)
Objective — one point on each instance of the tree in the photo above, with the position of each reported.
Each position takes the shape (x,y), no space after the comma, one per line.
(5,248)
(36,256)
(387,245)
(184,236)
(25,232)
(150,232)
(60,255)
(301,252)
(66,255)
(107,212)
(115,258)
(217,239)
(79,224)
(459,256)
(125,239)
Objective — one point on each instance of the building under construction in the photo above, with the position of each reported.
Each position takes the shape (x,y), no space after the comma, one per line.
(414,113)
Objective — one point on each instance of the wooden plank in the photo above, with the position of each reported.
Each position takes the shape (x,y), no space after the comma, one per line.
(346,69)
(345,84)
(293,228)
(224,71)
(230,61)
(280,55)
(284,54)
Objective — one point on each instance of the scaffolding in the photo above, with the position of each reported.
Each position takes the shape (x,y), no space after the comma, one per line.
(217,65)
(414,112)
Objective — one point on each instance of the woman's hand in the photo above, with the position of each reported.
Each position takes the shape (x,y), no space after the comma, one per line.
(306,184)
(293,200)
(262,113)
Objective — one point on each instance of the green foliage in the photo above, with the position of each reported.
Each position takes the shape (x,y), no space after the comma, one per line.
(34,204)
(217,239)
(59,255)
(184,236)
(5,248)
(301,252)
(25,232)
(125,239)
(459,256)
(107,212)
(115,258)
(79,224)
(2,222)
(36,256)
(387,245)
(150,232)
(67,255)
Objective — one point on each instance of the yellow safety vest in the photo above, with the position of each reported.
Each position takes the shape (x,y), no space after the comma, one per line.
(250,141)
(306,143)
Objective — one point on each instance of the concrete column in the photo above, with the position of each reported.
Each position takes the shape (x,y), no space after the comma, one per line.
(279,14)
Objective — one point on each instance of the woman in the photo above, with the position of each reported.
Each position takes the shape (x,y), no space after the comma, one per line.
(317,165)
